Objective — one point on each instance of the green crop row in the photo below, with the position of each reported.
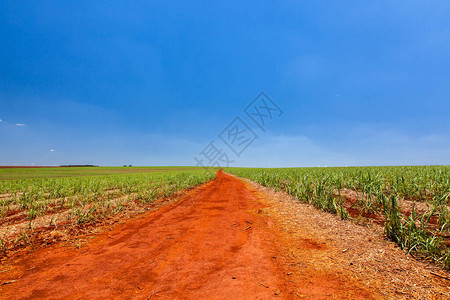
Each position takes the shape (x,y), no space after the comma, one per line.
(88,198)
(412,202)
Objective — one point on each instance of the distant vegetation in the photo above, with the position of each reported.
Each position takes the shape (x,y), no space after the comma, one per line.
(27,173)
(77,166)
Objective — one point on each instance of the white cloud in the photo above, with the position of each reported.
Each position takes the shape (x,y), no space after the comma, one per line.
(376,145)
(363,146)
(290,151)
(52,150)
(21,125)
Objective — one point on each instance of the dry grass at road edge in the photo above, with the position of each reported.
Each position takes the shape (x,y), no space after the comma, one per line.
(362,252)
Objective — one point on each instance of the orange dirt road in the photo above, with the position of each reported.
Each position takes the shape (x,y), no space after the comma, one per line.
(211,244)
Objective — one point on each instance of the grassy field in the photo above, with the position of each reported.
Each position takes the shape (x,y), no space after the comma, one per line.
(35,198)
(25,173)
(412,203)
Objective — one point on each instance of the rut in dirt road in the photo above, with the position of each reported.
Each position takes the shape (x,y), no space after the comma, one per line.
(207,245)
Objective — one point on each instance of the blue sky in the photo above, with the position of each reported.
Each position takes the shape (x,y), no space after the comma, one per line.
(112,83)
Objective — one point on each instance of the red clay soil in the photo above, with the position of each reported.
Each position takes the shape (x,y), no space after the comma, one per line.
(211,244)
